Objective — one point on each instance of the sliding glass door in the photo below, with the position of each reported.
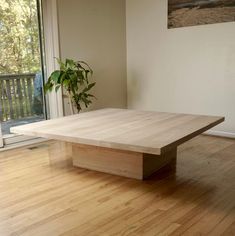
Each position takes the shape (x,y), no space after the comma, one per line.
(21,65)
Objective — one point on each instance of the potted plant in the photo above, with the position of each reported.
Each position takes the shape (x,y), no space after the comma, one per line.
(73,77)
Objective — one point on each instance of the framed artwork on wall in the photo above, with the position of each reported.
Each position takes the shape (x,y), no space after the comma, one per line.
(182,13)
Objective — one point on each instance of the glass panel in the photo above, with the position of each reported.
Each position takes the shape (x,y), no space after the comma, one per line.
(21,77)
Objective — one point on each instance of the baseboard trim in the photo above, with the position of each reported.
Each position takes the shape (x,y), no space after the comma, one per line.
(23,144)
(220,134)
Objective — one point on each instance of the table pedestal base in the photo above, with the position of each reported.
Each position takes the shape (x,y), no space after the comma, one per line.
(124,163)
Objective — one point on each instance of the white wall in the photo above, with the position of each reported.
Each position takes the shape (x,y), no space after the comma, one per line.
(95,31)
(189,70)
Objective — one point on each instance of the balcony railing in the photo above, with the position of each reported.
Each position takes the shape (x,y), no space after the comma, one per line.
(20,96)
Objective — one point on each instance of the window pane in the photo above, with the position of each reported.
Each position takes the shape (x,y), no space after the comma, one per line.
(21,79)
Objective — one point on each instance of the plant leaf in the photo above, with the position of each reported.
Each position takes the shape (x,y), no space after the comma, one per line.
(83,62)
(70,64)
(57,88)
(55,76)
(61,64)
(48,86)
(89,87)
(92,96)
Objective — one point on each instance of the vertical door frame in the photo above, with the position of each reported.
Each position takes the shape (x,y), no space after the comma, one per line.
(1,138)
(52,51)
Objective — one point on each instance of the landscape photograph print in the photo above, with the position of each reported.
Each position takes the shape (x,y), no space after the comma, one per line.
(182,13)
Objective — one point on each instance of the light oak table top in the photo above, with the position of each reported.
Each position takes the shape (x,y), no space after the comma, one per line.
(132,130)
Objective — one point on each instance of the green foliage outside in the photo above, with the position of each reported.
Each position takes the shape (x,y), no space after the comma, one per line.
(19,38)
(19,54)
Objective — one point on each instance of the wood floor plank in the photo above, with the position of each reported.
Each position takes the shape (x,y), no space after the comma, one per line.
(42,195)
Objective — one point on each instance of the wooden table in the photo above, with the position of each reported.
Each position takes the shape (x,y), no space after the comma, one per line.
(129,143)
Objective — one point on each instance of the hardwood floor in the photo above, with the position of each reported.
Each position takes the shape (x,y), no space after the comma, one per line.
(48,196)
